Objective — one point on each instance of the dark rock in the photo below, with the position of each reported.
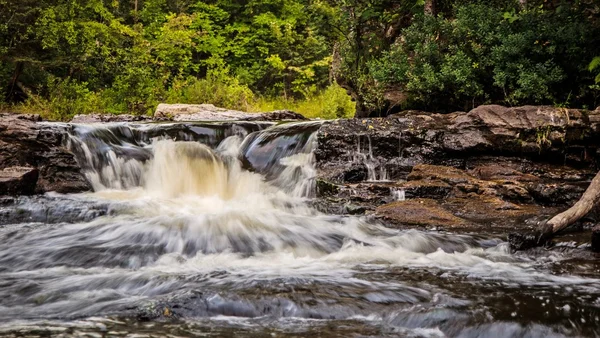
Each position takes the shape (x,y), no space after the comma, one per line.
(556,193)
(596,238)
(18,181)
(358,173)
(435,189)
(26,143)
(325,188)
(277,115)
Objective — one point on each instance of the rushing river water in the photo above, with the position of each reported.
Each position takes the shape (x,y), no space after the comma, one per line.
(179,238)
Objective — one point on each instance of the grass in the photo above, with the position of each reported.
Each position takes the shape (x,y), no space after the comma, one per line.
(331,103)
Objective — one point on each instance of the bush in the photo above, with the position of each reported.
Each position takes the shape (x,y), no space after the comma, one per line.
(487,55)
(65,99)
(222,92)
(331,103)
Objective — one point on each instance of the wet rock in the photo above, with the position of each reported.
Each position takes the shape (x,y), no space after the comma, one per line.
(325,188)
(495,172)
(419,212)
(539,134)
(435,189)
(49,209)
(446,174)
(596,238)
(24,142)
(276,115)
(556,193)
(494,211)
(18,181)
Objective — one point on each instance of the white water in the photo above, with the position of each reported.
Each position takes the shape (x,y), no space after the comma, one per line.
(190,219)
(202,206)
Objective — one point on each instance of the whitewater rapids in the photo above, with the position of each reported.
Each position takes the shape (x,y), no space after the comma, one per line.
(183,218)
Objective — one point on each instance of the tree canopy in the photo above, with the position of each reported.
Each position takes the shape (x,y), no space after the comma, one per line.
(79,56)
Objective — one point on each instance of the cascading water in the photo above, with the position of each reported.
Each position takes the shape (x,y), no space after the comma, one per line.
(216,237)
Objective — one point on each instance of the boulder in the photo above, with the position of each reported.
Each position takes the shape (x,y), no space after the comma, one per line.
(197,112)
(99,118)
(18,180)
(26,143)
(208,112)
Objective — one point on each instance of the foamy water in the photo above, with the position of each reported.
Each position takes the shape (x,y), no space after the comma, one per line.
(188,225)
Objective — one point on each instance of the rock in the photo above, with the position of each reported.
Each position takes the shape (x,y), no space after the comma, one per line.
(446,174)
(18,180)
(556,193)
(495,172)
(26,143)
(596,238)
(420,212)
(99,118)
(435,189)
(276,115)
(208,112)
(197,112)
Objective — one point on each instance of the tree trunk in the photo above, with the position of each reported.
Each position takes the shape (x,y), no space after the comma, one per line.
(430,7)
(14,81)
(589,199)
(547,230)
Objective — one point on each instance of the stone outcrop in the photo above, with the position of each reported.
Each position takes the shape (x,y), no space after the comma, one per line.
(208,112)
(100,118)
(18,180)
(33,159)
(492,165)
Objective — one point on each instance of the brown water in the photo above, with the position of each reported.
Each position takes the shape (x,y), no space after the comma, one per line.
(217,238)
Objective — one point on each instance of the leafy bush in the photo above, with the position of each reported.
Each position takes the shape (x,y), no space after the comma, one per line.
(222,92)
(66,98)
(485,55)
(332,103)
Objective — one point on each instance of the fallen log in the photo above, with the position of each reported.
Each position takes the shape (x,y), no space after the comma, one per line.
(546,231)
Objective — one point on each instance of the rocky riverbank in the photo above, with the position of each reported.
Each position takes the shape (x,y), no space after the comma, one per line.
(506,167)
(494,167)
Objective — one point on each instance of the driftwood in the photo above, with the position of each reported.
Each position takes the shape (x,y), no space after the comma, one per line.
(549,229)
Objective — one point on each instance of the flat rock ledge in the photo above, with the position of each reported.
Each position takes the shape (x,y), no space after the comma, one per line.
(493,167)
(191,113)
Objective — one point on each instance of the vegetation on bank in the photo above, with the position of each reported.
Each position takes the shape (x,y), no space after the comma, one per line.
(66,57)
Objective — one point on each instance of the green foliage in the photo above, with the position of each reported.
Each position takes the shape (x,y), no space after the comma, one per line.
(222,92)
(64,56)
(595,65)
(65,98)
(332,103)
(484,55)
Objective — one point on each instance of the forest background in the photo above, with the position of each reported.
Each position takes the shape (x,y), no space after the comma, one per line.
(322,58)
